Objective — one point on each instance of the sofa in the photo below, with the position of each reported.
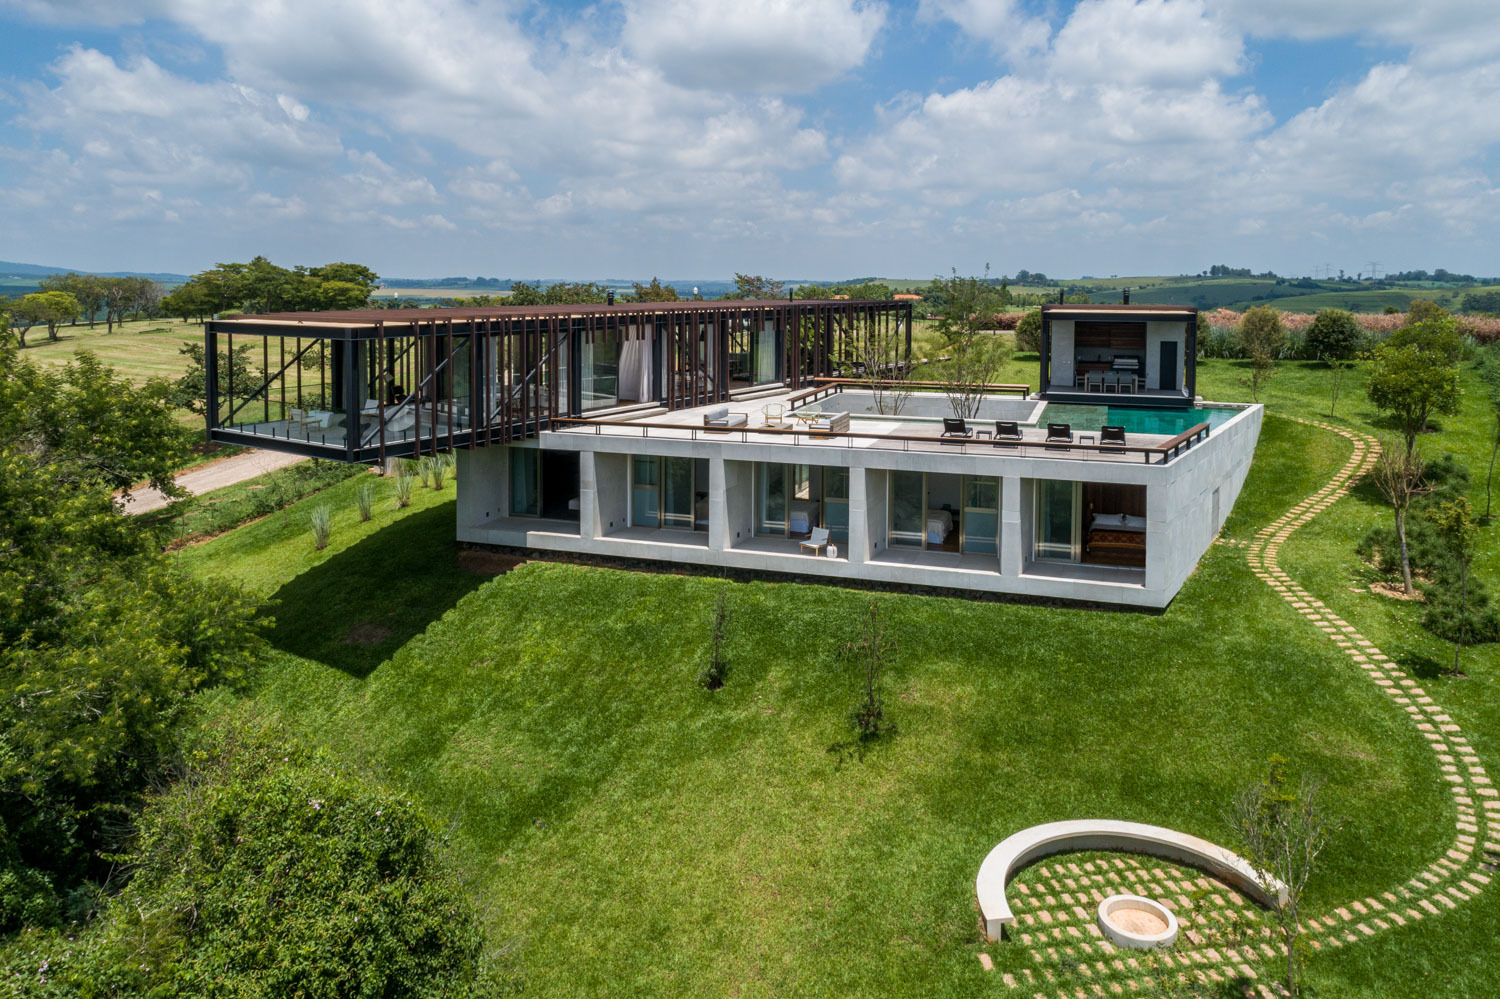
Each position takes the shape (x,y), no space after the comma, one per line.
(721,418)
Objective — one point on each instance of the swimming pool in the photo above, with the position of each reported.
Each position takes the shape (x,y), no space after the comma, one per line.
(1167,422)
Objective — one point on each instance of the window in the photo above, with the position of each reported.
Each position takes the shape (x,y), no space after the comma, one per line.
(981,514)
(525,482)
(669,492)
(1057,520)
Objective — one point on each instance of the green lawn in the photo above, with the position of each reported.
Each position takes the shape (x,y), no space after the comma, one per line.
(137,350)
(628,833)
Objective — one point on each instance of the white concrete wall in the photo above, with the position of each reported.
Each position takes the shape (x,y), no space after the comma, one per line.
(739,503)
(1155,334)
(612,474)
(1179,511)
(483,485)
(1062,353)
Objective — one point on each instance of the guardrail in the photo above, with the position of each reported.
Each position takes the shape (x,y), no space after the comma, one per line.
(1166,451)
(1022,390)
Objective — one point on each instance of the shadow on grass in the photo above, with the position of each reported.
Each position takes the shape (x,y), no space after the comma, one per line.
(355,610)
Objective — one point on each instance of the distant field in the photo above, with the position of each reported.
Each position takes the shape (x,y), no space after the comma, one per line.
(1359,301)
(137,350)
(435,293)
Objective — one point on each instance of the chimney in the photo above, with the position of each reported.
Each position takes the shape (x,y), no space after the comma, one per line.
(609,298)
(1126,293)
(1061,292)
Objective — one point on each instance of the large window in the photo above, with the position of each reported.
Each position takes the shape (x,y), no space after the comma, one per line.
(791,500)
(943,512)
(669,492)
(1057,527)
(599,369)
(544,483)
(981,514)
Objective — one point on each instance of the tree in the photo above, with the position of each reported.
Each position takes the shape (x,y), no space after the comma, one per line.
(975,354)
(1410,382)
(1455,524)
(874,651)
(756,286)
(1284,827)
(87,288)
(1398,476)
(885,360)
(342,295)
(1029,331)
(1261,337)
(190,391)
(654,292)
(48,308)
(1335,337)
(189,301)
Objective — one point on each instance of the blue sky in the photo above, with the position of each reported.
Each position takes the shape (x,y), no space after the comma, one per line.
(809,138)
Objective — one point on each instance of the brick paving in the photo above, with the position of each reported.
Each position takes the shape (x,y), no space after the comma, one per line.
(1221,939)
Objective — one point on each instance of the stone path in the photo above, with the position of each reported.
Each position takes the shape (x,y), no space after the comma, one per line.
(1056,904)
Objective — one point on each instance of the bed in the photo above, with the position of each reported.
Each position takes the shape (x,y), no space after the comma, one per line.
(1116,539)
(804,516)
(939,526)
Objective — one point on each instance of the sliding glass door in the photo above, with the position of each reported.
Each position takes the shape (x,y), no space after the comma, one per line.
(836,504)
(1057,527)
(908,506)
(664,493)
(981,514)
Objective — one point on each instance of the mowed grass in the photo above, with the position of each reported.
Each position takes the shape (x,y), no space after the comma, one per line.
(137,350)
(627,833)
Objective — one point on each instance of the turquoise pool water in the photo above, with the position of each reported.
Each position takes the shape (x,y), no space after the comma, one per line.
(1169,422)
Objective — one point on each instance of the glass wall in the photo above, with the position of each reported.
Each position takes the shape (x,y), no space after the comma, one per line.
(908,502)
(1057,528)
(764,353)
(525,482)
(981,514)
(599,368)
(836,503)
(770,498)
(669,492)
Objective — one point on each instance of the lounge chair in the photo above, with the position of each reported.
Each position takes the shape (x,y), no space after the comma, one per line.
(1111,437)
(829,423)
(722,419)
(774,413)
(1059,433)
(956,429)
(1007,433)
(817,542)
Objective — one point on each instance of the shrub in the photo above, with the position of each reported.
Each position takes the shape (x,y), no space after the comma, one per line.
(364,497)
(321,520)
(1029,331)
(437,467)
(1261,331)
(272,872)
(1335,336)
(403,487)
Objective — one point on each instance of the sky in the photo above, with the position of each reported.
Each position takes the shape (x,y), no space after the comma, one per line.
(817,139)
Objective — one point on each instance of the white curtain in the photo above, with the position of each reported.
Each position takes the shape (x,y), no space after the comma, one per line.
(635,368)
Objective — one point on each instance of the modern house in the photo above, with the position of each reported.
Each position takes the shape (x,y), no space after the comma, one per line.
(775,436)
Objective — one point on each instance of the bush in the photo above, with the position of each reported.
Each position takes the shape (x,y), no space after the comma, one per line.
(1261,331)
(1216,342)
(403,487)
(1029,331)
(437,467)
(211,514)
(1335,335)
(265,873)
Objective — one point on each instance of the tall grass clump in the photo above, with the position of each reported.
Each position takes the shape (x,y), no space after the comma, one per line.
(322,526)
(437,467)
(403,485)
(364,498)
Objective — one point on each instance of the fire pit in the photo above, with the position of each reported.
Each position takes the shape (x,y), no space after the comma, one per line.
(1137,923)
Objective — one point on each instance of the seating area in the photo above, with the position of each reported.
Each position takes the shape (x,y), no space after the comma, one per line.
(720,418)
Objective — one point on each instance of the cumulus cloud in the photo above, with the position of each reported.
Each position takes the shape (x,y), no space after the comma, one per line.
(756,46)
